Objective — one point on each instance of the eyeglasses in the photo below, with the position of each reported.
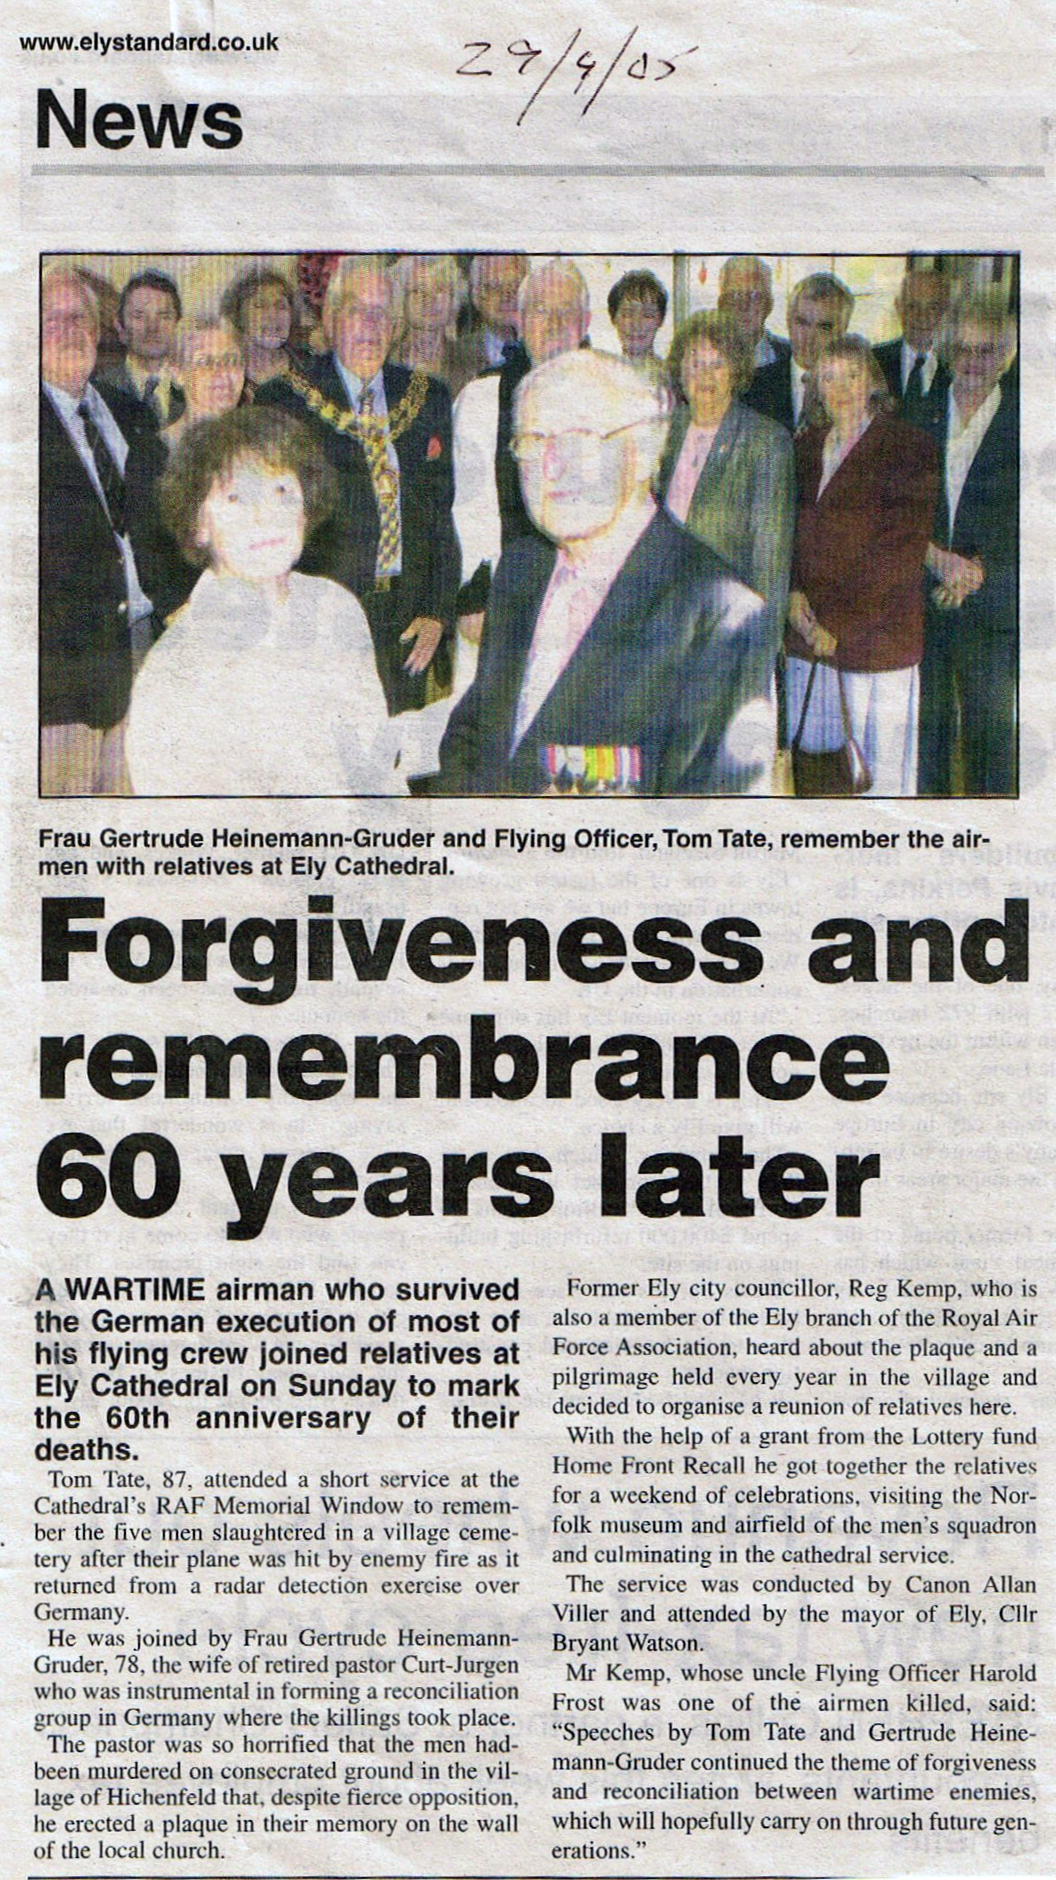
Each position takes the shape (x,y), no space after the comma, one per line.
(531,446)
(368,316)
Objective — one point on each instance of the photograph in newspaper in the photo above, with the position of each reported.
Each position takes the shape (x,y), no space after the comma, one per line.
(637,554)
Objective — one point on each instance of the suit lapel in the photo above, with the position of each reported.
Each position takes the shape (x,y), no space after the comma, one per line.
(713,468)
(934,419)
(512,639)
(854,468)
(329,381)
(612,636)
(396,380)
(788,408)
(64,451)
(676,437)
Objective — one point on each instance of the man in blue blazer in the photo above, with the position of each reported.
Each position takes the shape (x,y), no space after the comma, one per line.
(387,433)
(621,654)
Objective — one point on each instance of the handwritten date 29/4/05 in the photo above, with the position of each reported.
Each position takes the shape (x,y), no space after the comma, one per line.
(487,60)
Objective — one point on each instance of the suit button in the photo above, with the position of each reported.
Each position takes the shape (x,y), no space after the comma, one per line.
(122,607)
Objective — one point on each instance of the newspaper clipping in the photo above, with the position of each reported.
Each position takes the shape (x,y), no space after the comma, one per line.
(528,861)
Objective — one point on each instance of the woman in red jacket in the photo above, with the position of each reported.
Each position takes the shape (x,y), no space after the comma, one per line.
(868,485)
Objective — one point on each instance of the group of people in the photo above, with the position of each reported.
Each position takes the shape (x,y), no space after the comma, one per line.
(422,535)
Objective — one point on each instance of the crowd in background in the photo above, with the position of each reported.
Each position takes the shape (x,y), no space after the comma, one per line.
(375,523)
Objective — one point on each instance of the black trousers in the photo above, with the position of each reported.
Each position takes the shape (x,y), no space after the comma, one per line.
(967,707)
(387,610)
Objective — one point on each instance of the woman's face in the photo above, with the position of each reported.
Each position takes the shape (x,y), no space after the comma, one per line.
(212,375)
(844,385)
(707,380)
(252,521)
(637,322)
(267,316)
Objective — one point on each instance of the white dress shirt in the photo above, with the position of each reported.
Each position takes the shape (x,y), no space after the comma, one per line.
(800,374)
(908,359)
(835,449)
(962,444)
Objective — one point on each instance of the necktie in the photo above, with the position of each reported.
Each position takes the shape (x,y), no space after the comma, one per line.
(152,400)
(111,482)
(386,486)
(913,396)
(813,411)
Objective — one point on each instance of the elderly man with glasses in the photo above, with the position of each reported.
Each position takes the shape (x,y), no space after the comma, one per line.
(620,653)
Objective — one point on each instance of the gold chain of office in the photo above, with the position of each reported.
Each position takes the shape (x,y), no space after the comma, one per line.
(400,419)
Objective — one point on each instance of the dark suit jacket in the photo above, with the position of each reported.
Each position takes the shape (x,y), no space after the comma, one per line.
(987,521)
(137,418)
(889,358)
(782,348)
(678,647)
(163,571)
(860,545)
(85,647)
(770,392)
(745,501)
(346,548)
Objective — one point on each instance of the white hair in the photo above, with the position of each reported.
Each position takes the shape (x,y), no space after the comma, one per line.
(347,271)
(747,264)
(628,395)
(405,270)
(61,274)
(985,307)
(559,273)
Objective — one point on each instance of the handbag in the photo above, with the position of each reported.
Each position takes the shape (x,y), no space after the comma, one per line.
(840,772)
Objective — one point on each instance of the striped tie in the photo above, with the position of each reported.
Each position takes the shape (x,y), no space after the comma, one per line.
(111,481)
(385,479)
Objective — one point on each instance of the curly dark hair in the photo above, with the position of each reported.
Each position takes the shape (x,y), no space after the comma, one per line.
(241,291)
(208,453)
(640,284)
(721,331)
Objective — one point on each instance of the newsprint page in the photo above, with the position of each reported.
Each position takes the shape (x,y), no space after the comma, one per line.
(530,753)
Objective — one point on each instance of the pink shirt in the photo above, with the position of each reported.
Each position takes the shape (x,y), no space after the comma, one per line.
(574,597)
(696,447)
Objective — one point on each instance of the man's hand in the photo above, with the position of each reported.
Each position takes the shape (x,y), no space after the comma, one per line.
(958,576)
(471,627)
(426,635)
